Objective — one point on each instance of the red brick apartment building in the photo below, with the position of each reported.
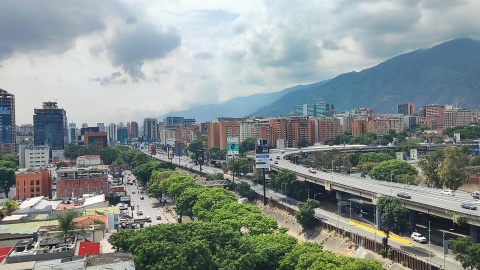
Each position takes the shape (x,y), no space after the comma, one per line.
(33,184)
(75,182)
(218,132)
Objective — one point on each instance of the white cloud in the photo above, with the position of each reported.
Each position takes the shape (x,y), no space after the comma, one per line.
(113,60)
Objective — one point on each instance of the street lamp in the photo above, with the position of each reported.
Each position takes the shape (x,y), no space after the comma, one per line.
(404,183)
(443,245)
(429,247)
(316,195)
(391,182)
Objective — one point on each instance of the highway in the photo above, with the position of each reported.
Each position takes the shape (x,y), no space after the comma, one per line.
(420,195)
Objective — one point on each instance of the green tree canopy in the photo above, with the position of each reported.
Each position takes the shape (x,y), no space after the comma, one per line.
(394,215)
(109,154)
(306,213)
(9,206)
(430,165)
(451,173)
(194,145)
(240,165)
(186,201)
(8,164)
(244,190)
(66,225)
(217,153)
(374,157)
(72,151)
(248,145)
(466,252)
(7,179)
(385,169)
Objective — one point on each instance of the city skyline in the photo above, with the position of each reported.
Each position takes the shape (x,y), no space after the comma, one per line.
(114,61)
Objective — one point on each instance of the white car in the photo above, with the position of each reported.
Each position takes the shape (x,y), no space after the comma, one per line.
(312,170)
(419,237)
(448,192)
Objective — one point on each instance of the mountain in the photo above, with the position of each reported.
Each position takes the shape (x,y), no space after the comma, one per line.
(237,107)
(445,74)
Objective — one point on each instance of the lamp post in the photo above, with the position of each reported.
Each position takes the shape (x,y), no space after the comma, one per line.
(429,247)
(391,182)
(443,245)
(404,183)
(316,195)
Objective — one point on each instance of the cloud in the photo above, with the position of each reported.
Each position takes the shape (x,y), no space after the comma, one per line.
(29,26)
(132,46)
(115,78)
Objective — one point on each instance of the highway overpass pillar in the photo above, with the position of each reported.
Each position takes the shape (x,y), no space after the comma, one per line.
(378,218)
(411,220)
(473,233)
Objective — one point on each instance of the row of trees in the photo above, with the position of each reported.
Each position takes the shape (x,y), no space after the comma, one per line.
(226,235)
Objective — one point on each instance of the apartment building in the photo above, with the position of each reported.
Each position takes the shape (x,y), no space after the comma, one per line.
(31,184)
(36,156)
(74,182)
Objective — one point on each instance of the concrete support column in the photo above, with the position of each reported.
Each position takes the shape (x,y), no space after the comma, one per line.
(411,220)
(473,233)
(378,219)
(425,219)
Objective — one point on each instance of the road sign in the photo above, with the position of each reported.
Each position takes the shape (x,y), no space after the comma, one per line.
(262,161)
(199,156)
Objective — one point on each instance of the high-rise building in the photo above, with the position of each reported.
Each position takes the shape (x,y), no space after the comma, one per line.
(112,133)
(407,108)
(7,123)
(150,128)
(72,133)
(122,135)
(95,140)
(133,133)
(317,109)
(50,126)
(101,127)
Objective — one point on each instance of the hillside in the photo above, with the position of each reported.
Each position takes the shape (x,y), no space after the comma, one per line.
(446,73)
(236,107)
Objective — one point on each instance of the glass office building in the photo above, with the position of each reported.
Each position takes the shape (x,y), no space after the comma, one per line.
(50,126)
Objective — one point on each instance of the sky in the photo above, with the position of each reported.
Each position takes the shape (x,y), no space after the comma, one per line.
(126,60)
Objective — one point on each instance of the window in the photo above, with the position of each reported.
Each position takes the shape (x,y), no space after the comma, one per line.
(38,189)
(31,182)
(31,196)
(38,182)
(32,189)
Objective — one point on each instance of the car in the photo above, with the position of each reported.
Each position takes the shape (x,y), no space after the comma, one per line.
(476,195)
(404,195)
(149,218)
(139,212)
(141,197)
(159,217)
(312,170)
(468,205)
(275,162)
(419,237)
(133,192)
(448,192)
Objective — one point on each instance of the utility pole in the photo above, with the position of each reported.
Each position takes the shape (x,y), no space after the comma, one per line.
(264,189)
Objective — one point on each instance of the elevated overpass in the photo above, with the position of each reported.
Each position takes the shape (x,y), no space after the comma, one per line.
(424,199)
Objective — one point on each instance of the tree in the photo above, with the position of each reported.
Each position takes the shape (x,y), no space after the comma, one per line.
(430,165)
(186,201)
(374,157)
(466,252)
(214,176)
(244,190)
(399,167)
(303,143)
(394,216)
(240,165)
(248,145)
(217,153)
(9,206)
(451,173)
(61,164)
(306,213)
(271,249)
(66,225)
(7,180)
(194,145)
(109,154)
(72,151)
(8,164)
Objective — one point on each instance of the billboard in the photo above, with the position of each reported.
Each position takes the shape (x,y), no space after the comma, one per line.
(170,142)
(399,155)
(178,148)
(170,152)
(413,154)
(262,147)
(199,156)
(233,148)
(262,157)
